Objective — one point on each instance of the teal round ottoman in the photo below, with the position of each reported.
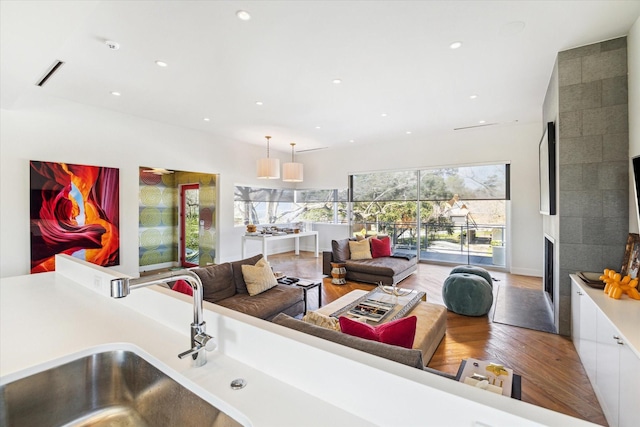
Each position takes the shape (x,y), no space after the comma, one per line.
(472,269)
(467,294)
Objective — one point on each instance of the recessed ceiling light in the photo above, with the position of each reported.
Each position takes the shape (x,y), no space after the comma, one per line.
(408,132)
(112,45)
(258,102)
(455,45)
(317,127)
(161,64)
(384,114)
(473,96)
(352,140)
(482,121)
(337,81)
(243,15)
(206,119)
(116,93)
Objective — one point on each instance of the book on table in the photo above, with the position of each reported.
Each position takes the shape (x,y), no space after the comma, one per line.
(390,304)
(499,378)
(305,283)
(372,309)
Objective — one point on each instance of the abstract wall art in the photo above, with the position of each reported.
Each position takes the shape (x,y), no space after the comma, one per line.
(74,210)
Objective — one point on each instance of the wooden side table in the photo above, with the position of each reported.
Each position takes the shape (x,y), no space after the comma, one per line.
(338,273)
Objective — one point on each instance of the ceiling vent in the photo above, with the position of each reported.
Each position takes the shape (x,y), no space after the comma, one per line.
(311,149)
(476,126)
(54,67)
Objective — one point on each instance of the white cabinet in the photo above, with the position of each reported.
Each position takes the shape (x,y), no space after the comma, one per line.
(608,368)
(610,358)
(576,293)
(583,329)
(629,386)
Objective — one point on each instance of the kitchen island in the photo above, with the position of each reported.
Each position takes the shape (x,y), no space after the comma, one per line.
(292,378)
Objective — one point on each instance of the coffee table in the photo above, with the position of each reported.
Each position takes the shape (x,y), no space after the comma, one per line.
(430,328)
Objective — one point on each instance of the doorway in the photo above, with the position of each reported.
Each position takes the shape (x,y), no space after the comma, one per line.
(189,222)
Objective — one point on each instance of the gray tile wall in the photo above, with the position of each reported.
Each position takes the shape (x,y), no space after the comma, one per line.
(593,162)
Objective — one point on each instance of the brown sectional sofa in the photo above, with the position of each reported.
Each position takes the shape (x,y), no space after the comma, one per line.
(223,284)
(406,356)
(388,270)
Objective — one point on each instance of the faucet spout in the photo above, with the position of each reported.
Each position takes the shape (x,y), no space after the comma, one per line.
(121,287)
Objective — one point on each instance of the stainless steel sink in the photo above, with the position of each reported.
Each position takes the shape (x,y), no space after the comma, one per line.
(114,388)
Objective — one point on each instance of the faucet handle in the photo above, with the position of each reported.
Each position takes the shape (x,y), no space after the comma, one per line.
(205,341)
(202,342)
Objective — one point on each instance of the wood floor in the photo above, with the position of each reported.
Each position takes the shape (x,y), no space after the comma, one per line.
(552,375)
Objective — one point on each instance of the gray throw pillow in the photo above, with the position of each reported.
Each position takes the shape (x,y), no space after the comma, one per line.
(340,249)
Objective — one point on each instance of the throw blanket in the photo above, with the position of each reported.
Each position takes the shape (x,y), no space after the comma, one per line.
(405,256)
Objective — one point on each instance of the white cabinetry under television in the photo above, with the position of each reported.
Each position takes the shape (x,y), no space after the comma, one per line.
(606,335)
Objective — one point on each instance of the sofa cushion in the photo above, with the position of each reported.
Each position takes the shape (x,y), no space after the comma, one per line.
(360,249)
(400,332)
(217,281)
(183,287)
(319,319)
(259,277)
(238,279)
(405,356)
(340,249)
(267,304)
(380,247)
(385,266)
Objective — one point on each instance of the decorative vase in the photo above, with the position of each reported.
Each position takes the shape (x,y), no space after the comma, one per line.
(338,273)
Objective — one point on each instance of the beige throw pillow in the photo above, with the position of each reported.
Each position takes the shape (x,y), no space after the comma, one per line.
(360,250)
(320,319)
(259,277)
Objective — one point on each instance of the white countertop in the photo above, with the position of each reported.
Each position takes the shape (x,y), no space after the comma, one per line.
(624,313)
(293,378)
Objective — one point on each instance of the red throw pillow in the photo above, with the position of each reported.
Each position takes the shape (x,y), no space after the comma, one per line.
(380,247)
(183,287)
(398,332)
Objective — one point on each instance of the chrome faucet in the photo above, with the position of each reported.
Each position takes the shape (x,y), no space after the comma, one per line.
(122,286)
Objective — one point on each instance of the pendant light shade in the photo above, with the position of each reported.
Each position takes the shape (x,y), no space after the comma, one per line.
(268,168)
(292,172)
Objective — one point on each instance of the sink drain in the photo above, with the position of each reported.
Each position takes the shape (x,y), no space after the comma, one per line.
(238,384)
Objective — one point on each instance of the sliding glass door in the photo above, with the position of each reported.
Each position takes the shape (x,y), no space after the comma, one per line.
(453,215)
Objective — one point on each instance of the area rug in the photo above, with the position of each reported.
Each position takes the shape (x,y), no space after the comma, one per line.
(525,308)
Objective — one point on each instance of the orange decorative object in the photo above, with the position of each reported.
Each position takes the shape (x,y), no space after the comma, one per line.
(616,285)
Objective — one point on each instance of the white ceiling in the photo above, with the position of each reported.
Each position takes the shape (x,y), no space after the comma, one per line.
(393,57)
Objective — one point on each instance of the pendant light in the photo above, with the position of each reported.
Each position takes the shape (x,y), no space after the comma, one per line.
(268,168)
(292,172)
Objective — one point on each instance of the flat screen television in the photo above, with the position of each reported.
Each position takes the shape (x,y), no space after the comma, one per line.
(547,161)
(636,183)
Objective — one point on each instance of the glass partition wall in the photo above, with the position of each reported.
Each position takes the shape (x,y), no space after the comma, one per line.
(452,215)
(449,215)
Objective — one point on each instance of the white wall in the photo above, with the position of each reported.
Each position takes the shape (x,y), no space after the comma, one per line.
(50,129)
(633,61)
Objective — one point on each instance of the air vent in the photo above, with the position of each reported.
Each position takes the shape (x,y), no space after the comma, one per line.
(311,149)
(476,126)
(54,67)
